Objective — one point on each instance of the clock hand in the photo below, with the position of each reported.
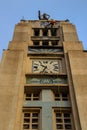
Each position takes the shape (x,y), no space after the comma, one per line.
(43,65)
(44,68)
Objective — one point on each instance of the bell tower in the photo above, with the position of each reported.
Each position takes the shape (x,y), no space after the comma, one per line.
(43,77)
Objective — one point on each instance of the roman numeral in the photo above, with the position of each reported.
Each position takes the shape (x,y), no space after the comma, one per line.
(56,67)
(35,68)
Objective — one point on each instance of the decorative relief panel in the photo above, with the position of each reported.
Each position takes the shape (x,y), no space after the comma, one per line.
(31,50)
(48,80)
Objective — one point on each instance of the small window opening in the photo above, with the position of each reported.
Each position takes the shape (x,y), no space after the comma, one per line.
(32,96)
(54,32)
(45,32)
(54,43)
(36,32)
(36,43)
(63,121)
(61,96)
(45,43)
(64,96)
(32,121)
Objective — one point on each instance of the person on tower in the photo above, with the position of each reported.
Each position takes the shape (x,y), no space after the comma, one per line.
(51,23)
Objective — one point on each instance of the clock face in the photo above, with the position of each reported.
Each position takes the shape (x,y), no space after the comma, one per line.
(46,66)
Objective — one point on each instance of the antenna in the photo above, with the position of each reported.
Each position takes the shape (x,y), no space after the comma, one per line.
(39,14)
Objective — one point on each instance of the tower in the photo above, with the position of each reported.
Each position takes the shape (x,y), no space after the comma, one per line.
(43,76)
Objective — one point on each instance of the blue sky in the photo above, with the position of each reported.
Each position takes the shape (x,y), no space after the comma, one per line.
(12,11)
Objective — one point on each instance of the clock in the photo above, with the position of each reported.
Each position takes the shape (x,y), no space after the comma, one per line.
(46,66)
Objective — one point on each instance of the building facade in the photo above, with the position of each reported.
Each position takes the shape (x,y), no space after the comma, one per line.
(43,78)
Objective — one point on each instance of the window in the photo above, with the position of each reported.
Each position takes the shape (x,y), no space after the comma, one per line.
(45,43)
(63,120)
(31,96)
(30,120)
(54,32)
(45,32)
(36,43)
(36,32)
(54,43)
(61,96)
